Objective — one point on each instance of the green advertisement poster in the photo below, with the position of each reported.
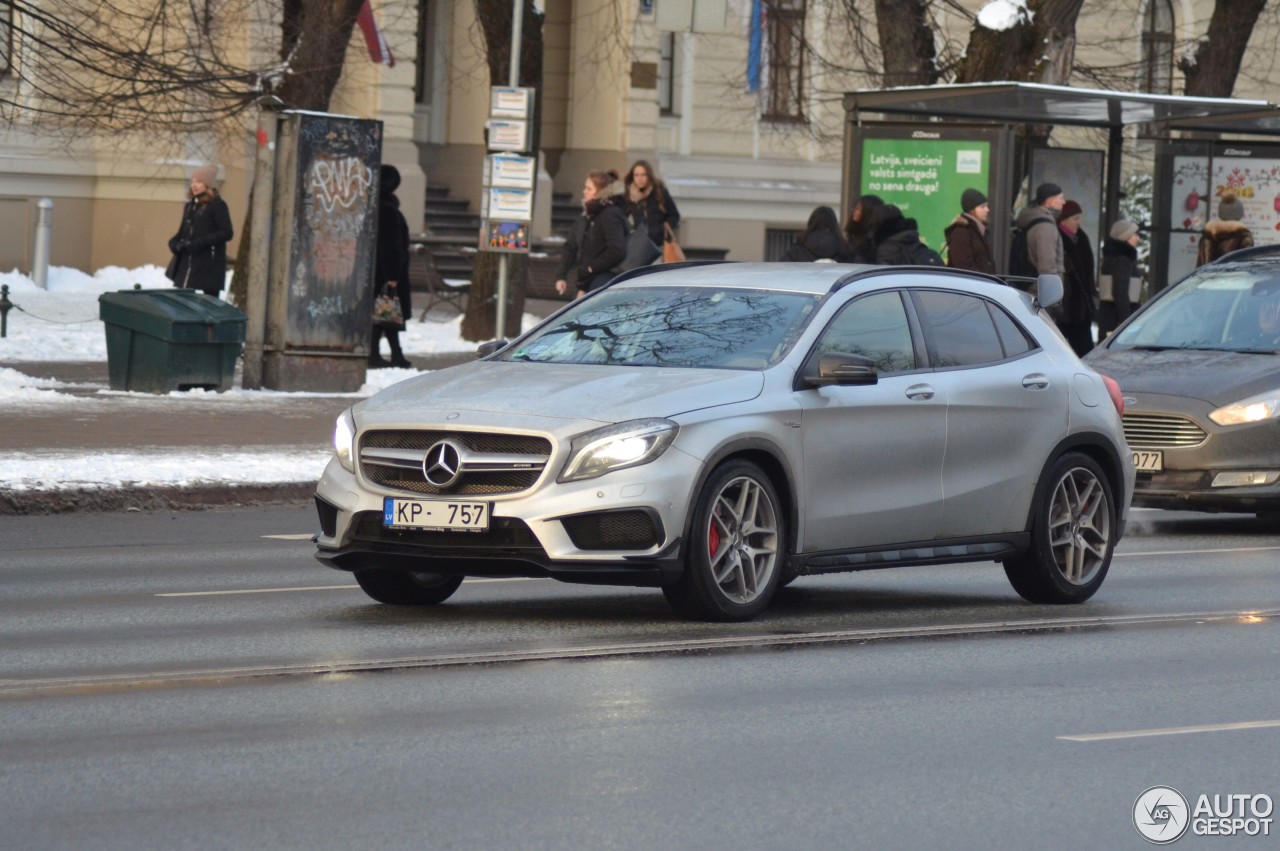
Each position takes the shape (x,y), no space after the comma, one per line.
(925,178)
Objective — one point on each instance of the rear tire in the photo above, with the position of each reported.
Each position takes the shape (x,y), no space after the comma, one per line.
(736,547)
(1073,534)
(402,588)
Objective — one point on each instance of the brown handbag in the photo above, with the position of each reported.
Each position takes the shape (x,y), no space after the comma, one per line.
(671,250)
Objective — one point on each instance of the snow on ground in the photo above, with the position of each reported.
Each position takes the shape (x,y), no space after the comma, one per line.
(53,470)
(61,324)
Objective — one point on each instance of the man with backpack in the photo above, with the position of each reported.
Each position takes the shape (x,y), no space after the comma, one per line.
(1036,249)
(897,240)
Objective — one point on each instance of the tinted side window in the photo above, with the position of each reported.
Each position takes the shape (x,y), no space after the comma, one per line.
(1014,338)
(874,326)
(958,330)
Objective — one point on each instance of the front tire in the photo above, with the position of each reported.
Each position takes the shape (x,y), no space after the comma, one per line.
(402,588)
(736,547)
(1073,535)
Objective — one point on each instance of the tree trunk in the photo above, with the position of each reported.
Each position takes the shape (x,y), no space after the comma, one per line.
(495,19)
(906,43)
(1211,68)
(314,36)
(1040,49)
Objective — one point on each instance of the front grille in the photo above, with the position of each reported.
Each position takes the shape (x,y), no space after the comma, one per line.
(513,462)
(1148,431)
(612,530)
(505,533)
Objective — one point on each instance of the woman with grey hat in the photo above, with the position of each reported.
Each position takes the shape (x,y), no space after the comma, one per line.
(200,246)
(1226,233)
(968,240)
(1120,280)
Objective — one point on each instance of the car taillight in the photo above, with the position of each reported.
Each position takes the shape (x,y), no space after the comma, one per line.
(1113,388)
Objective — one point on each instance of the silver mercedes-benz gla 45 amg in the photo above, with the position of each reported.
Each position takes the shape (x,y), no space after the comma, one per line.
(720,430)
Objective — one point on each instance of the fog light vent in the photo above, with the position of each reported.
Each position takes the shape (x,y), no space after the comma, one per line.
(328,517)
(612,530)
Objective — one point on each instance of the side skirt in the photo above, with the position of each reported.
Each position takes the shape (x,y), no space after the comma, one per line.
(932,552)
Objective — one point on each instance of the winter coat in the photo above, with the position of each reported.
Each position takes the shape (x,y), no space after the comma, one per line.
(654,209)
(1080,287)
(818,245)
(391,260)
(596,244)
(1120,261)
(200,245)
(1043,244)
(969,246)
(892,240)
(1222,237)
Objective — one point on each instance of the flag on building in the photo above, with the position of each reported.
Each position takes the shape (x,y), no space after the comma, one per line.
(379,50)
(755,46)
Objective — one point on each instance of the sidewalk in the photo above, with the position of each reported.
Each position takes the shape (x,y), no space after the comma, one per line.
(82,426)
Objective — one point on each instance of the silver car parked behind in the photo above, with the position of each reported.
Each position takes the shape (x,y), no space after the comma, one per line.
(718,430)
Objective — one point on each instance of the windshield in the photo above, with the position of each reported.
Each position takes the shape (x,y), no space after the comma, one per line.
(1216,308)
(716,327)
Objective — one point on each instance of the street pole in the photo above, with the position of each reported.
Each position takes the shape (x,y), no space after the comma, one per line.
(513,80)
(259,249)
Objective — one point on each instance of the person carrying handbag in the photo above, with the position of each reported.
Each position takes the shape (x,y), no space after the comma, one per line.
(390,270)
(200,246)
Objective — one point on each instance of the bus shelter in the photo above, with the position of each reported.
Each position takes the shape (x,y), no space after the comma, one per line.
(920,147)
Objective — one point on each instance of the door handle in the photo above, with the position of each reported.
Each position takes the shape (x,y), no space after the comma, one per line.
(919,391)
(1035,381)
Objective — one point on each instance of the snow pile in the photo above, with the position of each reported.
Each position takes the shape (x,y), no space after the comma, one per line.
(1001,15)
(62,324)
(42,471)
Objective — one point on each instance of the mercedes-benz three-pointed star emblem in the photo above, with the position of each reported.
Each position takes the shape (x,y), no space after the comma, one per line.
(442,465)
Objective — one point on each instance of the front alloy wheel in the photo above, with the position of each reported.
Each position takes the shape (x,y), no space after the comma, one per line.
(734,559)
(1072,536)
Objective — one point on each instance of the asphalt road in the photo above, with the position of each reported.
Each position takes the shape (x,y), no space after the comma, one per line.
(190,680)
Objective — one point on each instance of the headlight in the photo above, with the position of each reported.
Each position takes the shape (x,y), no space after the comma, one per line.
(1264,406)
(615,447)
(344,441)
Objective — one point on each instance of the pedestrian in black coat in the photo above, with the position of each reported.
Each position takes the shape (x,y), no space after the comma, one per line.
(896,238)
(821,240)
(858,231)
(648,203)
(598,241)
(1119,269)
(391,266)
(1080,287)
(199,247)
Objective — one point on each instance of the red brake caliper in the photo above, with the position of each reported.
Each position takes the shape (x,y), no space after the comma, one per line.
(713,538)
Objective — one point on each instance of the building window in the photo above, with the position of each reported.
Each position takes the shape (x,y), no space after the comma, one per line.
(6,39)
(1157,47)
(668,73)
(785,90)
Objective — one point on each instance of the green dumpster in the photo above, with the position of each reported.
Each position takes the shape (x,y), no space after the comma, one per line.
(163,340)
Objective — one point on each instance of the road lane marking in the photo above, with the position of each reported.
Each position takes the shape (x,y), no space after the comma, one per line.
(305,536)
(103,683)
(1197,552)
(234,591)
(1170,731)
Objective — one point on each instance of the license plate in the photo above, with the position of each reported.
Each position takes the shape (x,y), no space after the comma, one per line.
(435,515)
(1148,461)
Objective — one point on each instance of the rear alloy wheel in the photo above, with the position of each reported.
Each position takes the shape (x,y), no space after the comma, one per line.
(1072,536)
(403,588)
(735,551)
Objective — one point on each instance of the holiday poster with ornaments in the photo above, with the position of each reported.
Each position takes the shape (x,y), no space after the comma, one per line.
(1198,183)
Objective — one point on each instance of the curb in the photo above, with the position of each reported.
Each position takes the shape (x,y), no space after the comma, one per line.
(152,499)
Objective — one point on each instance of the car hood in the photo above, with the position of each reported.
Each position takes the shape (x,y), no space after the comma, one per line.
(604,394)
(1218,378)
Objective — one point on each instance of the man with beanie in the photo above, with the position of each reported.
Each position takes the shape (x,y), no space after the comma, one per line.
(1120,279)
(1226,233)
(1080,291)
(200,246)
(1044,246)
(968,243)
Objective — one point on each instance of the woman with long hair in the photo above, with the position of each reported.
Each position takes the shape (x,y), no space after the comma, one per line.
(858,231)
(598,241)
(200,246)
(821,239)
(648,203)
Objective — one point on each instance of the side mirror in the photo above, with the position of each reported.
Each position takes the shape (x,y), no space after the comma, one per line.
(1049,290)
(843,369)
(486,349)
